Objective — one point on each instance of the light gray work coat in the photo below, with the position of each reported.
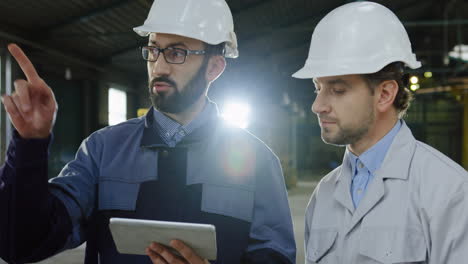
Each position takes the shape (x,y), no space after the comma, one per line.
(415,210)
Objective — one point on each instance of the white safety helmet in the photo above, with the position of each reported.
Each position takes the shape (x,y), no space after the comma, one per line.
(357,38)
(207,20)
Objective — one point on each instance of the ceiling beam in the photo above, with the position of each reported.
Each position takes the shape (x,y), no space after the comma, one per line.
(294,28)
(143,42)
(433,23)
(93,35)
(265,16)
(145,3)
(59,54)
(89,14)
(248,6)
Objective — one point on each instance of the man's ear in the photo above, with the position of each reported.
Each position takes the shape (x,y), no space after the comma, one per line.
(387,91)
(216,66)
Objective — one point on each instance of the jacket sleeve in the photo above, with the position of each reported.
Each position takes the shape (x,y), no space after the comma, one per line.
(449,229)
(76,188)
(33,224)
(271,227)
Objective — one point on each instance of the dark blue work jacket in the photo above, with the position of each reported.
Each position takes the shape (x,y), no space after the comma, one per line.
(217,175)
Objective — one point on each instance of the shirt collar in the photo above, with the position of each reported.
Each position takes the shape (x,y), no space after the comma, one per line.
(372,158)
(152,135)
(169,127)
(201,118)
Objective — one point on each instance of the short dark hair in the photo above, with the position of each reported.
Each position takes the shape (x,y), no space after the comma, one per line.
(393,71)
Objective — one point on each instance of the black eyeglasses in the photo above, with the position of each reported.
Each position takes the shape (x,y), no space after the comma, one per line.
(171,55)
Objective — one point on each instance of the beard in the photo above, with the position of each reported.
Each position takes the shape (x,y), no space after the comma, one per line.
(180,99)
(349,134)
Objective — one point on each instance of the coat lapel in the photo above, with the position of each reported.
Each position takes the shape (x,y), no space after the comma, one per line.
(342,193)
(394,166)
(372,197)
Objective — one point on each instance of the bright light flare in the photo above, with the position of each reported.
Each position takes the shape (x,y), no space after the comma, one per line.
(414,87)
(428,74)
(414,79)
(459,52)
(237,114)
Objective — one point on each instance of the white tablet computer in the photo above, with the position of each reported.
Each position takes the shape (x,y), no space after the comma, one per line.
(133,236)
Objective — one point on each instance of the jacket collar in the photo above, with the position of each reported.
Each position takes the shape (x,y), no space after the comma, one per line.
(397,161)
(395,165)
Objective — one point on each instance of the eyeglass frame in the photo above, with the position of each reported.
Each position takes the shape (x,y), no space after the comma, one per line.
(161,50)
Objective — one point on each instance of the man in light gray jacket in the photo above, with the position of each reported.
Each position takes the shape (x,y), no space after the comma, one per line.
(394,199)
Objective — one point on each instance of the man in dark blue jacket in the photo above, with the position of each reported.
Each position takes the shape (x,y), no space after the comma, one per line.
(180,162)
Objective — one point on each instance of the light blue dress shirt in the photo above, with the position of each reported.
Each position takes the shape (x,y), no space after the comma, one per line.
(364,166)
(172,132)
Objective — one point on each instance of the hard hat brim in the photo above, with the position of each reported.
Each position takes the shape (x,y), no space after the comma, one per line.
(336,68)
(231,48)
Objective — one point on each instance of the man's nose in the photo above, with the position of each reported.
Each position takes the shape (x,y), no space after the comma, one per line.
(160,67)
(320,104)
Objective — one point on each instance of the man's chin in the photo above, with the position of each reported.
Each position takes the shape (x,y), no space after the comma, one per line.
(328,138)
(162,103)
(170,106)
(171,109)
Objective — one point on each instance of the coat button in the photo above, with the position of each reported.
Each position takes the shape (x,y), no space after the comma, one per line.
(164,153)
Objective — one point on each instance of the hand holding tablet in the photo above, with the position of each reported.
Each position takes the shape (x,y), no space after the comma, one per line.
(133,236)
(178,254)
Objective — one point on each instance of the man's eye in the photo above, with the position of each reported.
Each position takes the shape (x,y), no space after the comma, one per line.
(339,91)
(177,53)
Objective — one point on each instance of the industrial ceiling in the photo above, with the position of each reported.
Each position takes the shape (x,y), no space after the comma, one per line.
(273,35)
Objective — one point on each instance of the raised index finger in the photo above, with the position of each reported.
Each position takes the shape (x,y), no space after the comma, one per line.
(24,63)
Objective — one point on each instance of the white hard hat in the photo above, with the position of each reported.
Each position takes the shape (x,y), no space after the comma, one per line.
(207,20)
(357,38)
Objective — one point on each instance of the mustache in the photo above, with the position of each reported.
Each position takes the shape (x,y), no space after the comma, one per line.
(163,79)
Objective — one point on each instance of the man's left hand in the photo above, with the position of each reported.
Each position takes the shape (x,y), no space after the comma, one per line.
(160,254)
